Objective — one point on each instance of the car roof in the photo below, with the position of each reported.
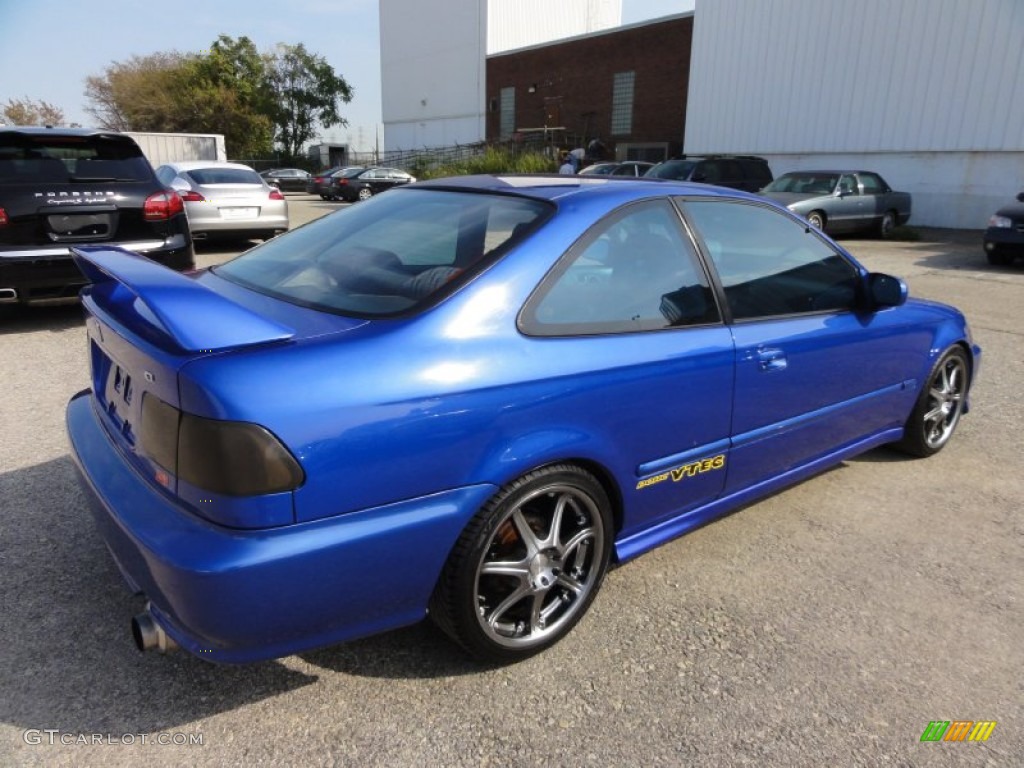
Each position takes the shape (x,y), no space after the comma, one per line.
(36,130)
(192,165)
(560,187)
(825,170)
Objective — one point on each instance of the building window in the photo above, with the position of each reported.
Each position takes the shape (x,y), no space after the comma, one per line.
(622,103)
(508,113)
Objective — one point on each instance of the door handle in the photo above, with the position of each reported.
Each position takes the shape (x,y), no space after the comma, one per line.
(771,360)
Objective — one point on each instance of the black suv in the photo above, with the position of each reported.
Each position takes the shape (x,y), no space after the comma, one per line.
(745,172)
(62,187)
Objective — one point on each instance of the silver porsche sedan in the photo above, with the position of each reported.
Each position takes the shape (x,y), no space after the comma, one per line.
(226,200)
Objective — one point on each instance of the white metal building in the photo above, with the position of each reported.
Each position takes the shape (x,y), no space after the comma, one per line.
(433,58)
(930,93)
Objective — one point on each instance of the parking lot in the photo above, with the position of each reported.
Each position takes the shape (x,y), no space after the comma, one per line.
(825,626)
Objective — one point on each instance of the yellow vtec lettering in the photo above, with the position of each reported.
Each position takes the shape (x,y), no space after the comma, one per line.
(687,470)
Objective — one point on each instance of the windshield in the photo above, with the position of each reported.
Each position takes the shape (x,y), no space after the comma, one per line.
(672,169)
(804,183)
(388,255)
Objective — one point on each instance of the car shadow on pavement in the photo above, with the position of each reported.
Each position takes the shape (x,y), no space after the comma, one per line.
(22,319)
(68,659)
(417,652)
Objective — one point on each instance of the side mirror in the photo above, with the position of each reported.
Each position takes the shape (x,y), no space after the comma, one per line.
(698,177)
(886,290)
(1020,197)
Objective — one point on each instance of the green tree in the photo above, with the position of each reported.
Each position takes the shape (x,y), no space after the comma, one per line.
(141,94)
(305,91)
(230,89)
(228,94)
(29,112)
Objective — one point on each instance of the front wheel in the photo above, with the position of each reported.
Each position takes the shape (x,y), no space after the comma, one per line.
(816,219)
(999,259)
(939,406)
(528,565)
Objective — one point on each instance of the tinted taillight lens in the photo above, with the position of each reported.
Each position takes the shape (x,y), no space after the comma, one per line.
(192,197)
(3,218)
(275,194)
(161,206)
(158,435)
(234,458)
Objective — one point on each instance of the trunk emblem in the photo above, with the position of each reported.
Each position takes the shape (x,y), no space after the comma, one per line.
(148,376)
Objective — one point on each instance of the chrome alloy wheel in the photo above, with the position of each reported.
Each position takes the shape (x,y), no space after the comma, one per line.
(542,562)
(946,392)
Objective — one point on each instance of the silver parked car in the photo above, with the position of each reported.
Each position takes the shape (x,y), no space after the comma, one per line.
(842,201)
(226,199)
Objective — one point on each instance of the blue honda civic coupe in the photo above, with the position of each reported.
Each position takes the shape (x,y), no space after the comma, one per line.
(466,398)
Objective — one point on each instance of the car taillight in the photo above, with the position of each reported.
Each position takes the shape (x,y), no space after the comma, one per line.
(342,182)
(192,197)
(275,194)
(4,221)
(234,458)
(161,206)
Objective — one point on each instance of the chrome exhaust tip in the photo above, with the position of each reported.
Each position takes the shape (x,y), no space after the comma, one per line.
(150,636)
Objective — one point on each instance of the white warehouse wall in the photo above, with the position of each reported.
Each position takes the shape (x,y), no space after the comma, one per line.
(515,24)
(432,72)
(930,90)
(433,59)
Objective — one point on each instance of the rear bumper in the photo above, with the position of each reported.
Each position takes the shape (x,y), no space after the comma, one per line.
(49,274)
(233,595)
(207,225)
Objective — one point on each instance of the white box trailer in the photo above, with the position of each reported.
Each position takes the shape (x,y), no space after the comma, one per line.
(160,148)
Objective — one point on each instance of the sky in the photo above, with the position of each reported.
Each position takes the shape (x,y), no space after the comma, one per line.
(49,47)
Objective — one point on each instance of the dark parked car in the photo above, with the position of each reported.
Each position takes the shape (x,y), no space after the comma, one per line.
(354,184)
(287,179)
(842,201)
(1004,238)
(745,172)
(625,168)
(319,183)
(466,397)
(61,187)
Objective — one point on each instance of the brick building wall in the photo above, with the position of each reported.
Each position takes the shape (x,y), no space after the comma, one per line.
(569,84)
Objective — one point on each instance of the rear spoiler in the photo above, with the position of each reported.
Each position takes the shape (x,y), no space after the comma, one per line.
(173,308)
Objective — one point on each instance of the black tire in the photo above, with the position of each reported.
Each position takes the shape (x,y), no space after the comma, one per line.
(816,219)
(939,406)
(887,224)
(324,197)
(999,259)
(546,540)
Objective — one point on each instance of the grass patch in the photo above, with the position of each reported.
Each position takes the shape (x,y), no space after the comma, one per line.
(492,161)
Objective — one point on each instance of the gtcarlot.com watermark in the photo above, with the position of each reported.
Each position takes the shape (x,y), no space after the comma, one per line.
(52,737)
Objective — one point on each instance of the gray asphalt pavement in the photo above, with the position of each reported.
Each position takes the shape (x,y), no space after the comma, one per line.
(825,626)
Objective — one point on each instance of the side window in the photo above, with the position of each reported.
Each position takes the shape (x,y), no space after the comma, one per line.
(708,171)
(636,271)
(731,173)
(770,264)
(848,185)
(872,184)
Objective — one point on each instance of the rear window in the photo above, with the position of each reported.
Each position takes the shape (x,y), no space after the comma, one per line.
(672,169)
(225,176)
(26,159)
(389,255)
